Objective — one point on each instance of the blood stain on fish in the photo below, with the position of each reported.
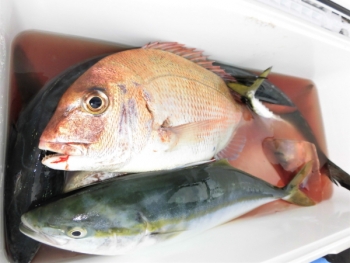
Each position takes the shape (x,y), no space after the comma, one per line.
(62,159)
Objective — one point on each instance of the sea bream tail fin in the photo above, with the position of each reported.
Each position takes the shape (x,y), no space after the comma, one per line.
(295,195)
(247,94)
(337,175)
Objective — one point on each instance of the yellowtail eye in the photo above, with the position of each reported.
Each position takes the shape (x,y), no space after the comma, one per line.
(77,232)
(95,102)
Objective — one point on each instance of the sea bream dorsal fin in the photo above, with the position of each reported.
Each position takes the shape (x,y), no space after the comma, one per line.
(191,54)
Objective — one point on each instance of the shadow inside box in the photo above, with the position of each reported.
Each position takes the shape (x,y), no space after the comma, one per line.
(343,257)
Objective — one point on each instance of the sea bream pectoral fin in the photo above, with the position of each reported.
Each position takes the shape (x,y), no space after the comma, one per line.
(186,134)
(234,148)
(247,94)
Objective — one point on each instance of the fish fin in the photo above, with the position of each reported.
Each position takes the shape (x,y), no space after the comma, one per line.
(222,162)
(296,196)
(191,54)
(247,94)
(163,236)
(290,154)
(244,90)
(234,148)
(337,175)
(176,136)
(190,133)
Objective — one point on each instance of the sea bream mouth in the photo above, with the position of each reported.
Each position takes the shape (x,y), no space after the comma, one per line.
(64,148)
(59,153)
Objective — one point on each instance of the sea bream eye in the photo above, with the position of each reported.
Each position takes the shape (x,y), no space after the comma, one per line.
(77,232)
(95,102)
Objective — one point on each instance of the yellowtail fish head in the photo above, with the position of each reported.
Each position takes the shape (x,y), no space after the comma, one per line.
(71,226)
(91,127)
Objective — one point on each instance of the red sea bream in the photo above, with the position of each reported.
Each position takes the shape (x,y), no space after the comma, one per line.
(158,107)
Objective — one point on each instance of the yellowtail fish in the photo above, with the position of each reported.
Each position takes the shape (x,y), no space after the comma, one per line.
(157,107)
(135,211)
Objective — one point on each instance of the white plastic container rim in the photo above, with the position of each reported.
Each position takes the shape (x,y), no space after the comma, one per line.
(244,33)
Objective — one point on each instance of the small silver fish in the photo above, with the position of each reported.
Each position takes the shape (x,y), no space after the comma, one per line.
(78,179)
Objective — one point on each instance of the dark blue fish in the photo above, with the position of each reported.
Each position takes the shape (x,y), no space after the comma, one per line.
(27,182)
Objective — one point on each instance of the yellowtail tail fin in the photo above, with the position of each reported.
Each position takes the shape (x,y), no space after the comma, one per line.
(247,94)
(296,196)
(244,90)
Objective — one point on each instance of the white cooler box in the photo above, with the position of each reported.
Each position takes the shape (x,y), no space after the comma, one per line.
(249,34)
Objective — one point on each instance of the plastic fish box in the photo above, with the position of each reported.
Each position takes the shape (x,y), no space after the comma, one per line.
(248,34)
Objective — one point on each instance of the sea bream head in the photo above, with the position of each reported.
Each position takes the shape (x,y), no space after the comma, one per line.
(158,107)
(99,121)
(86,226)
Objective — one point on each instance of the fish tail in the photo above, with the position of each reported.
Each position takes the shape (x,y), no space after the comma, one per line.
(247,94)
(337,175)
(244,90)
(295,195)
